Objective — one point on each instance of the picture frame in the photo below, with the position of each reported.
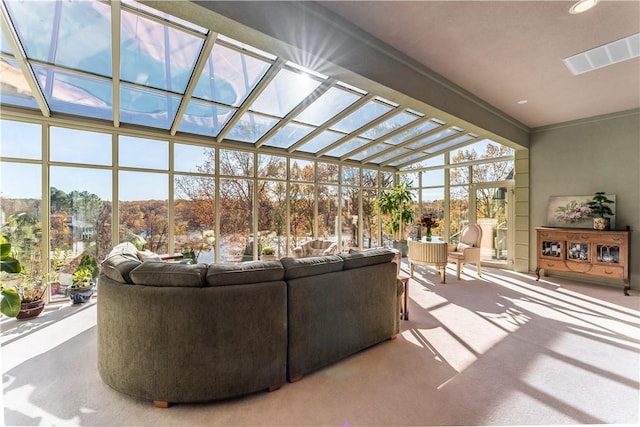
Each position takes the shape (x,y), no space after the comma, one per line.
(573,211)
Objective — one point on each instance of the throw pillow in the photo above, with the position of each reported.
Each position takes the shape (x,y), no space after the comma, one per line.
(462,246)
(148,256)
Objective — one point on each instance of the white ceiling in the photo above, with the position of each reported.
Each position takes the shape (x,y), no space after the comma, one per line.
(507,51)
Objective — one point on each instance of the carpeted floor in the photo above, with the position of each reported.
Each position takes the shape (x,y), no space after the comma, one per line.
(498,350)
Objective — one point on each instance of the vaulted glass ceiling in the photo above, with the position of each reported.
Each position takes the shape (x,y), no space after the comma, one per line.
(127,63)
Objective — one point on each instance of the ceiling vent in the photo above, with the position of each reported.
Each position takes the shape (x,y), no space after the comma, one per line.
(611,53)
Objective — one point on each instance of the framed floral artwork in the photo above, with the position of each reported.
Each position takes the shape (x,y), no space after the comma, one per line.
(573,211)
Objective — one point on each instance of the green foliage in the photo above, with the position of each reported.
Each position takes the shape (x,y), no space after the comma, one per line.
(8,262)
(86,272)
(398,203)
(599,205)
(268,250)
(9,301)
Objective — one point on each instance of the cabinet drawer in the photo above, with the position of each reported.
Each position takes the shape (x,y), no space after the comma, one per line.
(613,271)
(547,264)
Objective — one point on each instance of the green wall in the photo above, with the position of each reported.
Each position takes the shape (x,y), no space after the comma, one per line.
(582,157)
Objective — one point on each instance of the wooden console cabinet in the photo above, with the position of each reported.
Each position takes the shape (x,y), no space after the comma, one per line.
(586,251)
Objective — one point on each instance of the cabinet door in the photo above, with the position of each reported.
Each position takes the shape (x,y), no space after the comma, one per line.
(608,254)
(551,248)
(578,251)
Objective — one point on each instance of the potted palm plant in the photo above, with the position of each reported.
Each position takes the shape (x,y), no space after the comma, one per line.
(398,203)
(599,209)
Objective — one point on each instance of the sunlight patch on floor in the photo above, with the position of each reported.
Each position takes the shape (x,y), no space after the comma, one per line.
(40,341)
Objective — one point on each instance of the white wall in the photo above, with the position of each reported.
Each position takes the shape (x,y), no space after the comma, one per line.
(582,157)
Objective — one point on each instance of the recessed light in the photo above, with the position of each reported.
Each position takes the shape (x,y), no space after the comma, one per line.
(582,6)
(523,101)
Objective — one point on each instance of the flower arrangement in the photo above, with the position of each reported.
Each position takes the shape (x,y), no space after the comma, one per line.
(428,221)
(573,211)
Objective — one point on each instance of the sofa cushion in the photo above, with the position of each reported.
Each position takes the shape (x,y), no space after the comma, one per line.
(301,267)
(366,257)
(169,274)
(121,260)
(244,273)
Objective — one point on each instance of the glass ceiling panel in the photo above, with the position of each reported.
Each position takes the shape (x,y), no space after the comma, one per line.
(156,55)
(423,127)
(78,94)
(229,76)
(204,118)
(163,15)
(387,126)
(251,127)
(451,143)
(348,146)
(421,143)
(374,149)
(392,154)
(147,107)
(327,106)
(14,88)
(320,141)
(70,34)
(246,47)
(363,115)
(284,92)
(415,156)
(289,135)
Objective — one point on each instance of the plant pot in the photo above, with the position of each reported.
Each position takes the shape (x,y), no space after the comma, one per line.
(267,257)
(601,223)
(29,310)
(81,295)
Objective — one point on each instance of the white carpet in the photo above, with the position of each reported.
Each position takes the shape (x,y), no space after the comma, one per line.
(499,350)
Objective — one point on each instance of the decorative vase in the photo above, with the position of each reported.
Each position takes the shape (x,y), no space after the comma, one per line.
(428,234)
(81,295)
(601,223)
(29,310)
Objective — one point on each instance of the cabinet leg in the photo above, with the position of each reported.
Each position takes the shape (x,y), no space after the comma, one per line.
(538,273)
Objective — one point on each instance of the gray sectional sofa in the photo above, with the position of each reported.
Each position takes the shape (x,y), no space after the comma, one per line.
(171,332)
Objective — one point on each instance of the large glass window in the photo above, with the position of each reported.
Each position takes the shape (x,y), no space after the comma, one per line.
(350,217)
(79,220)
(20,140)
(195,216)
(301,213)
(236,220)
(77,146)
(20,211)
(272,217)
(327,212)
(144,206)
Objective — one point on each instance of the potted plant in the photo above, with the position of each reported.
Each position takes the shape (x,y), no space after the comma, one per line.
(268,254)
(599,209)
(23,294)
(398,203)
(83,279)
(10,299)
